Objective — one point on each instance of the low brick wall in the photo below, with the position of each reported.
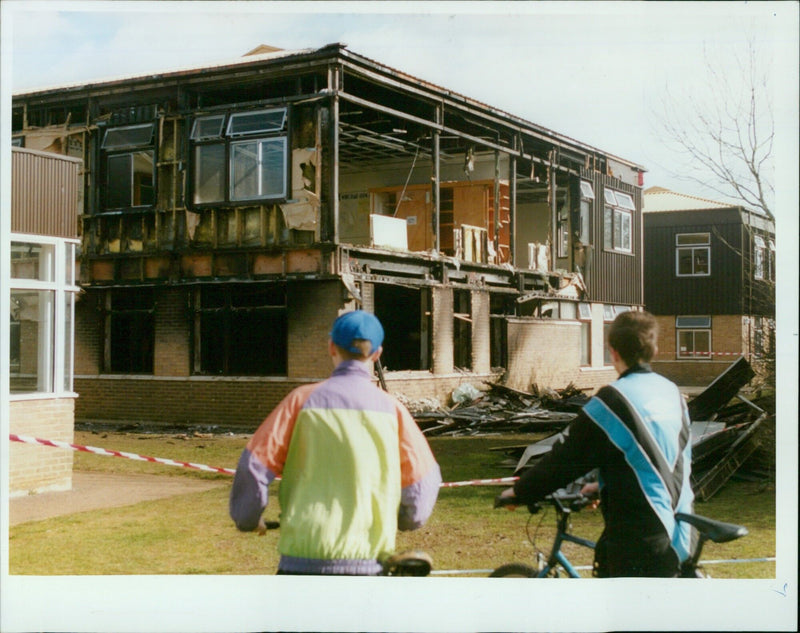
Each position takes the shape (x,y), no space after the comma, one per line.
(34,468)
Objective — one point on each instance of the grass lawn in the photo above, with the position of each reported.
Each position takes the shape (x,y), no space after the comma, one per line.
(192,533)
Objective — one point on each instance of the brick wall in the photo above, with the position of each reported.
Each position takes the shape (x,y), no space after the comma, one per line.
(172,352)
(40,468)
(547,353)
(88,334)
(312,308)
(727,342)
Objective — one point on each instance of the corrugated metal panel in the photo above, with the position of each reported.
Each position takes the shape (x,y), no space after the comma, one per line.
(720,292)
(44,193)
(615,277)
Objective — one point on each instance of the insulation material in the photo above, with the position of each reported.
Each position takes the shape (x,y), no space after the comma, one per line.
(302,212)
(192,220)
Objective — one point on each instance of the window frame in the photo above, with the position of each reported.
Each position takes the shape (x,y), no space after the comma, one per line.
(760,258)
(584,317)
(618,208)
(129,150)
(701,325)
(692,248)
(59,280)
(228,138)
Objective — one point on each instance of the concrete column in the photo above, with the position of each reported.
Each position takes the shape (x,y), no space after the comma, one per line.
(481,332)
(442,330)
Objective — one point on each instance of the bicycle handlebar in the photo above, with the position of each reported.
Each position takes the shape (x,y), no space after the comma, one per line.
(573,501)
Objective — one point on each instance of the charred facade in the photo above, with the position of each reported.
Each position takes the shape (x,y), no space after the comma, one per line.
(230,211)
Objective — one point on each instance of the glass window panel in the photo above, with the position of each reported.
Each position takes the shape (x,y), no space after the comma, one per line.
(693,322)
(608,312)
(31,346)
(625,200)
(244,170)
(586,190)
(685,261)
(209,173)
(702,343)
(585,311)
(273,161)
(624,230)
(32,261)
(608,227)
(609,197)
(690,239)
(119,185)
(208,127)
(69,264)
(701,263)
(143,189)
(586,226)
(759,241)
(257,122)
(69,337)
(130,136)
(620,309)
(685,342)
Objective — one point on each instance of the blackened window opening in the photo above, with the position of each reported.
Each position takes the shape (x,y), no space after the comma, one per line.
(242,330)
(405,316)
(462,329)
(131,331)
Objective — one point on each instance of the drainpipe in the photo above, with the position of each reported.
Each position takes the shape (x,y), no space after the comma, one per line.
(553,190)
(333,86)
(435,192)
(497,205)
(512,203)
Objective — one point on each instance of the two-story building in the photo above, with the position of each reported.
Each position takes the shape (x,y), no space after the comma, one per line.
(231,211)
(709,277)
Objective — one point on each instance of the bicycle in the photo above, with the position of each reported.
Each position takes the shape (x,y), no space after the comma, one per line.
(565,503)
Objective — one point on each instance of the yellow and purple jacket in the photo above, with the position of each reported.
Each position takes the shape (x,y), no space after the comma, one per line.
(354,468)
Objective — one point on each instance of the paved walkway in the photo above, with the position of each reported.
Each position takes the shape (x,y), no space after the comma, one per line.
(93,491)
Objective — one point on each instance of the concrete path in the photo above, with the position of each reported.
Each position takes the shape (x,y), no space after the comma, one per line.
(93,491)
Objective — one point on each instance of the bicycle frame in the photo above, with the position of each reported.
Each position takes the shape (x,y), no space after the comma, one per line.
(557,557)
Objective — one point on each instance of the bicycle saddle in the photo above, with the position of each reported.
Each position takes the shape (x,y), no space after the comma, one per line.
(717,531)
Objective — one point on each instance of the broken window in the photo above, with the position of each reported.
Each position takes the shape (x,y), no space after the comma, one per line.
(693,254)
(131,331)
(585,229)
(241,330)
(693,335)
(240,156)
(771,266)
(462,329)
(617,221)
(128,162)
(405,314)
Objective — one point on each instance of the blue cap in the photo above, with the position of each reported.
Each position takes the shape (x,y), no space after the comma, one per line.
(357,325)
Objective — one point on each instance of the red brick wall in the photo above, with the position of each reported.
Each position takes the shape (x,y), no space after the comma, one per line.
(35,468)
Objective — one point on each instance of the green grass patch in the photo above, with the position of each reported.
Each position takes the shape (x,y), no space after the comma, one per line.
(192,533)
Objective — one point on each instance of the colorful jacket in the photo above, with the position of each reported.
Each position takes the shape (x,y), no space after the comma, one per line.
(636,432)
(354,468)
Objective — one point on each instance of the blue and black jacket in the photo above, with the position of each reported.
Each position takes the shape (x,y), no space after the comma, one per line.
(635,431)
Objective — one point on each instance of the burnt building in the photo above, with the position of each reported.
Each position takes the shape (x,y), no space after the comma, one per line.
(710,280)
(229,212)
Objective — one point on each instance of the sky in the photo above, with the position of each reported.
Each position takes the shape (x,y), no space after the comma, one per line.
(597,72)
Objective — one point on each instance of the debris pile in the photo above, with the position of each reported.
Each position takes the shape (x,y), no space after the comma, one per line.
(727,433)
(498,409)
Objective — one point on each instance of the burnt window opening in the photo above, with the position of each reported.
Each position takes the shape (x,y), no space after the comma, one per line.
(240,156)
(131,331)
(241,330)
(128,162)
(405,314)
(499,307)
(462,329)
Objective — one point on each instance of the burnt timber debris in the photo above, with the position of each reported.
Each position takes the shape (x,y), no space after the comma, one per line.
(727,427)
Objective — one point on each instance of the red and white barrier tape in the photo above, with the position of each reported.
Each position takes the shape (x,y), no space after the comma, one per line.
(107,453)
(26,439)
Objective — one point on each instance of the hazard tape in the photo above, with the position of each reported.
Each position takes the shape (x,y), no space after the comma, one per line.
(108,453)
(26,439)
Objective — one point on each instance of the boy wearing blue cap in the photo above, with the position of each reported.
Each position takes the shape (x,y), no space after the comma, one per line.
(354,465)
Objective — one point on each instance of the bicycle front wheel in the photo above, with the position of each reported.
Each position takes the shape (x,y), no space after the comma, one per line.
(514,570)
